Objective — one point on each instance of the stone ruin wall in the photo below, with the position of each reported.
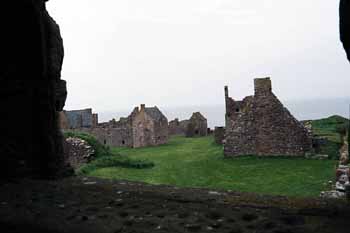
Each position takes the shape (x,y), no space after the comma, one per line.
(83,118)
(112,133)
(175,128)
(161,132)
(240,128)
(197,127)
(143,130)
(148,131)
(94,120)
(219,135)
(261,125)
(120,133)
(344,150)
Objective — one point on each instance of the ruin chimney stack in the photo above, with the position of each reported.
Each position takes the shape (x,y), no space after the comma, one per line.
(226,92)
(94,120)
(143,106)
(262,86)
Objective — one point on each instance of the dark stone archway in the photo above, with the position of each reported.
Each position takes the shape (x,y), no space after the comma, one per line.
(31,91)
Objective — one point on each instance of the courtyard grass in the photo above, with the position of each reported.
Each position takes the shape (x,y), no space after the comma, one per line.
(199,162)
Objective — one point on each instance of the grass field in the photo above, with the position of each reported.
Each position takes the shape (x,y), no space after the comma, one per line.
(198,162)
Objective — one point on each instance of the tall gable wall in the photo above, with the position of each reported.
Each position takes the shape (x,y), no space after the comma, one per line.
(261,125)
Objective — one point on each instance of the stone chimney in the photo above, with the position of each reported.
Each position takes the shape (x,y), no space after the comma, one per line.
(226,92)
(142,108)
(262,86)
(94,120)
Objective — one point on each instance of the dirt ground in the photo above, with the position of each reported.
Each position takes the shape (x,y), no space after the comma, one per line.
(81,204)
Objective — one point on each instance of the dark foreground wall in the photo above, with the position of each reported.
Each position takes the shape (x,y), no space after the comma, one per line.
(344,12)
(31,90)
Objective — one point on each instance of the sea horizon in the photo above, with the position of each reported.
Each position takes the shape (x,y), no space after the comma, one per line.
(215,114)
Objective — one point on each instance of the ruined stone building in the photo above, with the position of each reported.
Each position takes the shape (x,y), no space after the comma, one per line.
(149,127)
(261,125)
(115,133)
(197,126)
(177,127)
(76,119)
(145,126)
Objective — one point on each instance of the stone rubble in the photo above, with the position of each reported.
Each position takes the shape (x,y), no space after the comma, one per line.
(78,152)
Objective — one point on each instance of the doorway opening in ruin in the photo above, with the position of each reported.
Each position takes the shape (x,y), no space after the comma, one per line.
(104,142)
(196,132)
(123,142)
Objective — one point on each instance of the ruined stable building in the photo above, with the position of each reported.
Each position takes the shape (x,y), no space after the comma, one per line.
(261,125)
(197,126)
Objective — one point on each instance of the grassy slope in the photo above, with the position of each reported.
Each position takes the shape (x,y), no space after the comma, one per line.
(198,162)
(327,128)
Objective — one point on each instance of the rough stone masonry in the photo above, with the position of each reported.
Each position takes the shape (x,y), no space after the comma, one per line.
(261,125)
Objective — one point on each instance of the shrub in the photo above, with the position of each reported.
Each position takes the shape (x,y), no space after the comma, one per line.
(115,161)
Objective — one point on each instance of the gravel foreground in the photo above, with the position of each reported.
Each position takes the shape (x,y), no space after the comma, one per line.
(81,204)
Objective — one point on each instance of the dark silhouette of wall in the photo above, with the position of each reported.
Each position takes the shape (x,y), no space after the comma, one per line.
(344,25)
(31,91)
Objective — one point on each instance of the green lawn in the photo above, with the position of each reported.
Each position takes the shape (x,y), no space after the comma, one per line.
(198,162)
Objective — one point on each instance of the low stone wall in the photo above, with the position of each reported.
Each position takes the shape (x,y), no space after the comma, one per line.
(77,152)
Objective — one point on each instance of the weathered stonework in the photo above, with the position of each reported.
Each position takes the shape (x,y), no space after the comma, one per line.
(78,152)
(175,127)
(143,127)
(261,125)
(149,127)
(78,119)
(94,120)
(219,135)
(197,126)
(115,133)
(344,151)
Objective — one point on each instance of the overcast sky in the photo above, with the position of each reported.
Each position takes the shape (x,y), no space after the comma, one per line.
(120,53)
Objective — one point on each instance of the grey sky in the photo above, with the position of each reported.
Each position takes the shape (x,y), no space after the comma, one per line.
(119,54)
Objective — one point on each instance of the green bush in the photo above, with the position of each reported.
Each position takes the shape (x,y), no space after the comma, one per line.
(115,161)
(100,150)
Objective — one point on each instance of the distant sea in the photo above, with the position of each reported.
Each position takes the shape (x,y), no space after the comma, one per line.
(301,109)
